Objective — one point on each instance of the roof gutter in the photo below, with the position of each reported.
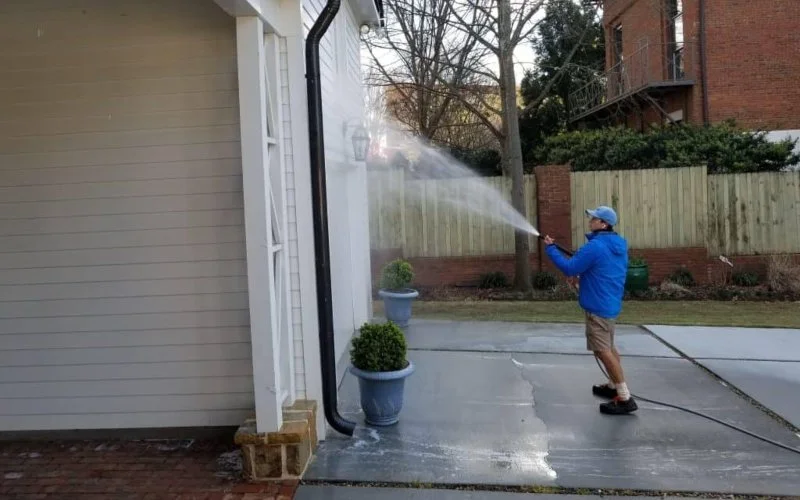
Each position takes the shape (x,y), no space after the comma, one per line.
(319,203)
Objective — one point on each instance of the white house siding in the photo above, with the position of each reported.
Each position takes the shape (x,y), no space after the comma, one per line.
(347,208)
(123,288)
(291,206)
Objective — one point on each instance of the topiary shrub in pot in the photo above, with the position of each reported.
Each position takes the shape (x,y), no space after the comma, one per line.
(378,359)
(395,292)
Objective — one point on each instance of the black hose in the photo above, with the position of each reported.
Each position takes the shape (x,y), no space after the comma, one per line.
(320,207)
(709,417)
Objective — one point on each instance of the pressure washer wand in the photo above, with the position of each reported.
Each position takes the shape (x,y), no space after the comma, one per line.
(563,250)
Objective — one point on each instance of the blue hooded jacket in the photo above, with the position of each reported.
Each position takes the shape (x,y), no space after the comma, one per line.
(602,264)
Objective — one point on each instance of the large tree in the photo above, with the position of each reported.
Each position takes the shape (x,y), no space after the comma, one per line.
(501,26)
(570,52)
(459,50)
(419,58)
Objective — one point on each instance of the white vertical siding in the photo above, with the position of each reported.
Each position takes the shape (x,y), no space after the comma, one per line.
(358,186)
(123,288)
(291,237)
(342,102)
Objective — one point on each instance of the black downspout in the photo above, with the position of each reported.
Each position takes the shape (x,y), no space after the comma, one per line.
(703,70)
(319,203)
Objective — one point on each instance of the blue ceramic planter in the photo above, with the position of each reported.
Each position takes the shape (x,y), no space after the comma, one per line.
(398,305)
(382,394)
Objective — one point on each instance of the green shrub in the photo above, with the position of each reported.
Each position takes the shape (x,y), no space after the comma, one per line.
(543,280)
(682,277)
(723,147)
(745,278)
(379,347)
(484,161)
(397,275)
(493,280)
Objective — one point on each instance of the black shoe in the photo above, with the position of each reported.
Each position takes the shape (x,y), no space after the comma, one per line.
(604,391)
(619,407)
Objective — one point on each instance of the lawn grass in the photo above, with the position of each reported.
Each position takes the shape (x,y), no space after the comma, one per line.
(701,313)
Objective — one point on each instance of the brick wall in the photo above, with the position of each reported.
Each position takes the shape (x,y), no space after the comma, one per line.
(645,21)
(662,262)
(752,53)
(462,271)
(754,62)
(466,271)
(554,213)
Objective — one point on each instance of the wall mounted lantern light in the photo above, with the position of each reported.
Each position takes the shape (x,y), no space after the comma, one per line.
(361,142)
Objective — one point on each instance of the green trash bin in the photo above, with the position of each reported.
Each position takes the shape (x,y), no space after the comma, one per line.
(638,277)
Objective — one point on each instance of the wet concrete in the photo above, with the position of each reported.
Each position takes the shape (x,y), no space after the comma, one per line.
(764,363)
(774,384)
(468,417)
(312,492)
(766,344)
(525,337)
(478,413)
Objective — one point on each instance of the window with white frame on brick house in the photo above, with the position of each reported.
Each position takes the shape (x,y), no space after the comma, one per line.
(675,39)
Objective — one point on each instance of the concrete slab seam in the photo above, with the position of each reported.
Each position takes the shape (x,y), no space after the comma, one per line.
(540,490)
(726,383)
(549,353)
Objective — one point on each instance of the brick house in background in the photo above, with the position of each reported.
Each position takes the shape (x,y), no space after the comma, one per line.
(697,61)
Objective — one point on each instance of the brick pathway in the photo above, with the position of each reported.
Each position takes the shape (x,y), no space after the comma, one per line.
(155,469)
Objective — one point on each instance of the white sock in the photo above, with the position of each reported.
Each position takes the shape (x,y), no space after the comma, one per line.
(622,391)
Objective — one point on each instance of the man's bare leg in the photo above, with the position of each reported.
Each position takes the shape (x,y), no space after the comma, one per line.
(623,403)
(611,362)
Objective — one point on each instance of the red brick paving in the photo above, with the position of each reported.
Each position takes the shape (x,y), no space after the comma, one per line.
(141,470)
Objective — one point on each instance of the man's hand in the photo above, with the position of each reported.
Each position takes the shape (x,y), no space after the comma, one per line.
(548,240)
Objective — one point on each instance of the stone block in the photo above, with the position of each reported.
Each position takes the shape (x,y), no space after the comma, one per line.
(292,431)
(282,454)
(306,408)
(249,460)
(297,457)
(302,409)
(246,434)
(268,461)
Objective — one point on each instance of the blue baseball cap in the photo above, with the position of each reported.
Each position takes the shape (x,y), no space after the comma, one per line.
(605,214)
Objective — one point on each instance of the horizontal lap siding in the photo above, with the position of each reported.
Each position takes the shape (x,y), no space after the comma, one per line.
(123,286)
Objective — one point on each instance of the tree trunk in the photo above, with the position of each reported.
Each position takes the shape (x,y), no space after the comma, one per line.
(512,145)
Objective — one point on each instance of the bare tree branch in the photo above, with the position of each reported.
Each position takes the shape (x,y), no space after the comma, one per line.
(470,27)
(522,25)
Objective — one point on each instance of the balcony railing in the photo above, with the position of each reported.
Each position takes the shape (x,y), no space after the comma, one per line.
(650,65)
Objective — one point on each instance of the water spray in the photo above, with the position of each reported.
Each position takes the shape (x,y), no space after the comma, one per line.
(484,200)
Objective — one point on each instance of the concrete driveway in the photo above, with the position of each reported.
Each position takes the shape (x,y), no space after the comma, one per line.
(511,404)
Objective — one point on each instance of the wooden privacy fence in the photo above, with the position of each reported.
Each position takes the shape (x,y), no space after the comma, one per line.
(421,218)
(729,214)
(657,208)
(754,213)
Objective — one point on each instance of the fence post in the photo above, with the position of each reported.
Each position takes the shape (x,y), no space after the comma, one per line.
(554,207)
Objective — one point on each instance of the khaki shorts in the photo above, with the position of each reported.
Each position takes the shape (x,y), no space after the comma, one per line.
(599,333)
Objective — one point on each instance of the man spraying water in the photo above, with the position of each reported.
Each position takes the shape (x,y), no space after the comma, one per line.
(602,265)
